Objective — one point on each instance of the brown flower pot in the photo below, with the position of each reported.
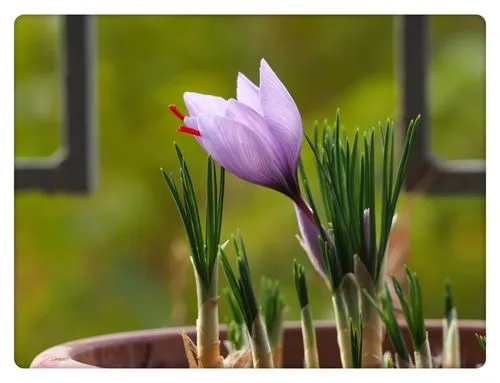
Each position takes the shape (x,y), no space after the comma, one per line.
(162,348)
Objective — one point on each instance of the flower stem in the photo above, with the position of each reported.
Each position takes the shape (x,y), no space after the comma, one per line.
(207,324)
(451,348)
(343,338)
(277,352)
(276,344)
(261,349)
(423,357)
(385,309)
(204,252)
(402,363)
(372,323)
(372,339)
(311,359)
(309,338)
(451,336)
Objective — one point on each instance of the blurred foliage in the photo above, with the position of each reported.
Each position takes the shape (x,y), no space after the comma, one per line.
(116,260)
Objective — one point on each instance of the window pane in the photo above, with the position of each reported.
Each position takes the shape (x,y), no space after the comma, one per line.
(38,84)
(457,86)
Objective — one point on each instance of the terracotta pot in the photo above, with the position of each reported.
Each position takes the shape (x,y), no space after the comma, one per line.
(162,348)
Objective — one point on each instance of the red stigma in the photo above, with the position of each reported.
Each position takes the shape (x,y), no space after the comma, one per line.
(175,111)
(188,130)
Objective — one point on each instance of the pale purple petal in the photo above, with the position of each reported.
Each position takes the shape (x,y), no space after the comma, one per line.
(252,120)
(192,122)
(309,240)
(281,113)
(240,151)
(248,93)
(247,116)
(197,103)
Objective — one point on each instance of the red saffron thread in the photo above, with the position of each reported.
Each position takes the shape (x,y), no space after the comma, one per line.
(188,130)
(174,110)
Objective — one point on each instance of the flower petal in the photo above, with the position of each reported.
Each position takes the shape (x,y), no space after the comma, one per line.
(248,93)
(240,151)
(309,241)
(254,121)
(197,103)
(281,113)
(192,122)
(244,114)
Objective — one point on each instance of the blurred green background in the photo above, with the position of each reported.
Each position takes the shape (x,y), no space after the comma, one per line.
(116,260)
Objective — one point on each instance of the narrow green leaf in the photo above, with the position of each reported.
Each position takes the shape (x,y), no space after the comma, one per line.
(300,283)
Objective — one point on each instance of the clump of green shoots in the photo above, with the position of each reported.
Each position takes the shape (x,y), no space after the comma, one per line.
(204,252)
(411,304)
(354,257)
(245,297)
(311,359)
(414,316)
(236,333)
(353,240)
(482,341)
(273,310)
(237,343)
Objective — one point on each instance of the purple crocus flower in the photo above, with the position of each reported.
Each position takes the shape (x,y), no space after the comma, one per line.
(257,136)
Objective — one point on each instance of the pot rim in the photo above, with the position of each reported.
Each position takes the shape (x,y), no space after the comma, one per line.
(64,354)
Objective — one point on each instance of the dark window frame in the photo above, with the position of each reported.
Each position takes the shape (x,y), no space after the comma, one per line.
(426,173)
(73,167)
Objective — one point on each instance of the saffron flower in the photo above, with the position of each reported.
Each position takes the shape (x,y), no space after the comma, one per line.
(257,136)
